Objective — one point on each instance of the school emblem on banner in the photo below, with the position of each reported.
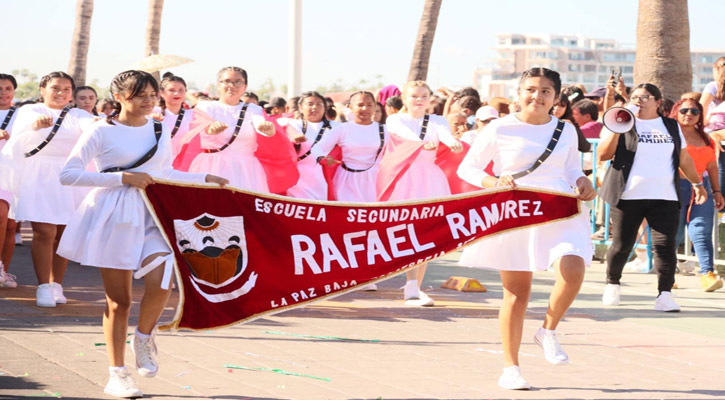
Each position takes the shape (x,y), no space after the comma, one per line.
(214,250)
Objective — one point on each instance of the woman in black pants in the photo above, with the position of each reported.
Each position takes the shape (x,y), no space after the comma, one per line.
(642,183)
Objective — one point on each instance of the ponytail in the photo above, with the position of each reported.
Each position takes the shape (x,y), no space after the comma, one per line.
(116,109)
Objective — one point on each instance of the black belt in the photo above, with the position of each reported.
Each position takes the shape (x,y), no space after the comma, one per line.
(149,154)
(381,128)
(51,135)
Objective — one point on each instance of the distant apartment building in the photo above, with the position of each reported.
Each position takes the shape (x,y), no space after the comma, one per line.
(578,59)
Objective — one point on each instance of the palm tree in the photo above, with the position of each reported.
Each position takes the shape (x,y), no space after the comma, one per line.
(81,40)
(153,29)
(663,46)
(424,42)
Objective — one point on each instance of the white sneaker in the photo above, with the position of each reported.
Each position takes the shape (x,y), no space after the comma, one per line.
(552,350)
(511,379)
(18,240)
(688,267)
(370,288)
(146,355)
(44,296)
(58,293)
(637,265)
(9,281)
(611,295)
(411,291)
(120,384)
(666,303)
(423,300)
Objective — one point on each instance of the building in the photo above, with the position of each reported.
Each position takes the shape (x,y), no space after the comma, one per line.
(578,59)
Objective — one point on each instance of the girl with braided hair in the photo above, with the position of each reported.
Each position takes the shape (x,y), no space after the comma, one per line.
(113,230)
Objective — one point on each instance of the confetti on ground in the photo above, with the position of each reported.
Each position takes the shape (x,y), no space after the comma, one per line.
(25,374)
(230,371)
(79,354)
(276,370)
(103,344)
(186,387)
(182,373)
(320,337)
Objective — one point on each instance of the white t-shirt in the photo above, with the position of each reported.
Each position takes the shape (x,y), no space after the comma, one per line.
(652,174)
(710,88)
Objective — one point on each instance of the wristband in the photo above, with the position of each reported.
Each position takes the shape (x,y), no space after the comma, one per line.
(698,184)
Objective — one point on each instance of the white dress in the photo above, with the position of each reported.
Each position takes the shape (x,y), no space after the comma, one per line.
(360,145)
(237,162)
(39,196)
(514,146)
(312,184)
(112,227)
(423,179)
(5,194)
(170,122)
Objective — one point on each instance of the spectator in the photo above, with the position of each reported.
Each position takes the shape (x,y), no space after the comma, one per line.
(457,122)
(597,96)
(562,108)
(643,183)
(710,90)
(585,114)
(573,93)
(385,93)
(293,107)
(484,116)
(692,95)
(85,98)
(250,97)
(276,106)
(393,105)
(699,217)
(468,105)
(437,105)
(666,106)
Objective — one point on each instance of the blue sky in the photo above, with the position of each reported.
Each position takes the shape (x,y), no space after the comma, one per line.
(345,40)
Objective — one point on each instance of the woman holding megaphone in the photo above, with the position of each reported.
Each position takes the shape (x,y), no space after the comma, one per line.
(643,182)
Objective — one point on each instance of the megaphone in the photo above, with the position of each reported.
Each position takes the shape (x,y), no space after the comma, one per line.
(620,119)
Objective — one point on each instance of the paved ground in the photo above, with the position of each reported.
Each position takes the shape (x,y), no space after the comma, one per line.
(451,351)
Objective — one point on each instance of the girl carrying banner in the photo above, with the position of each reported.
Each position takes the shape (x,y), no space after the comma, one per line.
(43,136)
(408,168)
(113,230)
(515,144)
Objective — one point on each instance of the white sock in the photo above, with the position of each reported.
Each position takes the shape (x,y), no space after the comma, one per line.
(142,335)
(548,331)
(510,370)
(412,282)
(116,369)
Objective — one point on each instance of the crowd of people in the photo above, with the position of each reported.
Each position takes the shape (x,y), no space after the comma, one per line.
(72,165)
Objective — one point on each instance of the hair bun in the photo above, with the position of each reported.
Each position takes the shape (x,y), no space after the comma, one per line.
(167,75)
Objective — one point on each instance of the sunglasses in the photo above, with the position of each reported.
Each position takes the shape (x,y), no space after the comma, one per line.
(693,111)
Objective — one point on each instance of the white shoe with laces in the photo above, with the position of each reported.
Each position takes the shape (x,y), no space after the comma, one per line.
(553,352)
(423,300)
(370,288)
(611,294)
(665,302)
(146,355)
(58,293)
(120,384)
(511,379)
(9,281)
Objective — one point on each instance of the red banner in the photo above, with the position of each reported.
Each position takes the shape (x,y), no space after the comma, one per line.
(242,255)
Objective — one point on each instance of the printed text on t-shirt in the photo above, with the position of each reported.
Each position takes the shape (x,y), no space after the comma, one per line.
(655,137)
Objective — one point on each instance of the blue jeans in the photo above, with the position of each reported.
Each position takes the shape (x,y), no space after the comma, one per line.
(721,168)
(702,218)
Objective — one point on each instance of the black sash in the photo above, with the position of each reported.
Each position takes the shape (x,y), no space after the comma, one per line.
(8,117)
(240,121)
(325,125)
(52,133)
(178,122)
(149,154)
(547,152)
(381,127)
(424,128)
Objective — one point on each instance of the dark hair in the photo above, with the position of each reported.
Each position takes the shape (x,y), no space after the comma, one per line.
(618,98)
(235,69)
(437,105)
(11,79)
(652,89)
(129,83)
(364,93)
(539,72)
(167,79)
(56,74)
(384,117)
(564,101)
(468,91)
(395,101)
(573,93)
(720,92)
(472,103)
(81,88)
(250,95)
(294,104)
(700,125)
(666,106)
(587,107)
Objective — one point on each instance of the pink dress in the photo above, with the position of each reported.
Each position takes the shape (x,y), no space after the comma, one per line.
(423,179)
(237,162)
(312,184)
(360,146)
